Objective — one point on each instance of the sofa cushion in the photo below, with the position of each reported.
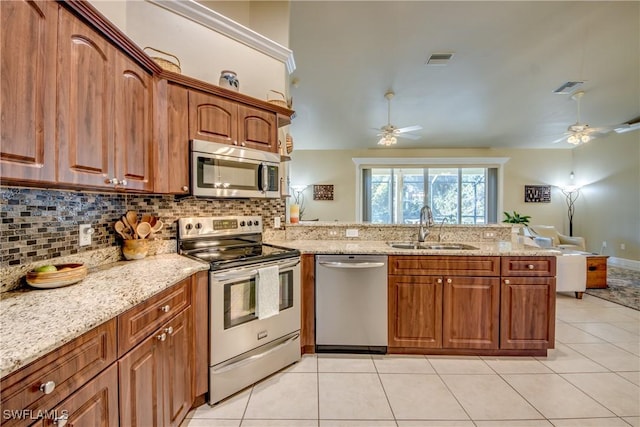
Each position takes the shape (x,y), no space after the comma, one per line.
(546,231)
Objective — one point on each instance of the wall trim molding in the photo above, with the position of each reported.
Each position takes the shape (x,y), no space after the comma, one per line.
(213,20)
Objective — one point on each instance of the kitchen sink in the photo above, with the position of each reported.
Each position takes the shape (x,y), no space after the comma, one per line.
(432,246)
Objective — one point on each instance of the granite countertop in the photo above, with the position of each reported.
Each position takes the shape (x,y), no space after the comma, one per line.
(36,321)
(383,247)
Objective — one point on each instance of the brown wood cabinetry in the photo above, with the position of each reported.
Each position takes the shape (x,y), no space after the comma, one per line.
(527,313)
(471,312)
(95,404)
(104,112)
(41,385)
(155,377)
(156,373)
(212,118)
(596,271)
(28,95)
(308,303)
(415,311)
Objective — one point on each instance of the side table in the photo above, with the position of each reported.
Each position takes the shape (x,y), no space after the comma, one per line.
(596,271)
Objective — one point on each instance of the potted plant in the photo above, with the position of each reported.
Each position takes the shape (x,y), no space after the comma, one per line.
(516,218)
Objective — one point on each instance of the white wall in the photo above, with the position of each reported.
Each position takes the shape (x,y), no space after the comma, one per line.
(537,167)
(203,53)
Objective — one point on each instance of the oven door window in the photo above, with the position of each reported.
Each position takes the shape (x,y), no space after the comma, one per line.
(240,299)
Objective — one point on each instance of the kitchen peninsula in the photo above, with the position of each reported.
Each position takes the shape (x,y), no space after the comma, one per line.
(495,299)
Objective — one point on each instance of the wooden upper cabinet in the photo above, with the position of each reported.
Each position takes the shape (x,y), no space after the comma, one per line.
(212,118)
(133,142)
(28,95)
(257,129)
(85,105)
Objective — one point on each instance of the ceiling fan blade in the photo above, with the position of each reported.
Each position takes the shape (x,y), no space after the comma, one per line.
(408,129)
(408,136)
(564,138)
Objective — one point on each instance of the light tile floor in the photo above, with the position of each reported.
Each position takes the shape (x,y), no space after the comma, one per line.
(592,378)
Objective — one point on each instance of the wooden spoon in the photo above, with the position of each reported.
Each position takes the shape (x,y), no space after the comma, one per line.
(146,218)
(143,229)
(132,221)
(120,229)
(157,226)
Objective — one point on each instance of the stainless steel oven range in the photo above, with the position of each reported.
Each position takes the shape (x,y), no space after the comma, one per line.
(254,300)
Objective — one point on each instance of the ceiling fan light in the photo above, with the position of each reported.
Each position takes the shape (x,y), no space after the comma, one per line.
(573,140)
(585,138)
(388,140)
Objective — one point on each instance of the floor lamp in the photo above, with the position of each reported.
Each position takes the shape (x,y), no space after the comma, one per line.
(572,194)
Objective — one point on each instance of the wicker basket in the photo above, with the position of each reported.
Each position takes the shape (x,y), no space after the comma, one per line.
(279,102)
(165,64)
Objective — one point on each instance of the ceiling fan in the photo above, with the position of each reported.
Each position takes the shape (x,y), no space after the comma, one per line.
(581,133)
(389,133)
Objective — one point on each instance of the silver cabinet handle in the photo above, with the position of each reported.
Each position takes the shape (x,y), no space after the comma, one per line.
(161,337)
(169,330)
(185,188)
(113,181)
(439,281)
(124,182)
(449,281)
(48,387)
(61,421)
(165,308)
(530,267)
(506,281)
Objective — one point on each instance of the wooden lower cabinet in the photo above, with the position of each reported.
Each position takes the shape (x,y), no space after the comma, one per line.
(155,377)
(471,312)
(415,311)
(93,405)
(527,313)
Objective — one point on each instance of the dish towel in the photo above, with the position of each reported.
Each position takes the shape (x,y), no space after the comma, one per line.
(268,301)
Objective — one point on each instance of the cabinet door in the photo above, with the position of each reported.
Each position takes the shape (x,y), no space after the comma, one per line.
(178,139)
(133,143)
(212,118)
(28,96)
(257,129)
(85,104)
(140,375)
(471,312)
(415,311)
(527,318)
(93,405)
(177,368)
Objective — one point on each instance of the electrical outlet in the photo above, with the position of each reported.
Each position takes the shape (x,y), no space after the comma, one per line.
(489,234)
(623,247)
(604,244)
(84,234)
(351,232)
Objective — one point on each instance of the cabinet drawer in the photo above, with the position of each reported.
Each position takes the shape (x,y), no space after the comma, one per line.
(529,266)
(444,265)
(64,370)
(140,321)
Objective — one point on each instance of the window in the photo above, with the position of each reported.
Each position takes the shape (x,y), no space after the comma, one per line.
(457,195)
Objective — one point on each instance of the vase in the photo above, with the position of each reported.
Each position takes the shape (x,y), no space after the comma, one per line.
(294,213)
(229,80)
(135,248)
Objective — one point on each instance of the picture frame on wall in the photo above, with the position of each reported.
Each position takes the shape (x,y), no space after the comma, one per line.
(537,194)
(323,192)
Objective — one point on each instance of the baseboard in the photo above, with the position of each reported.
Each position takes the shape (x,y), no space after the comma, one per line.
(631,264)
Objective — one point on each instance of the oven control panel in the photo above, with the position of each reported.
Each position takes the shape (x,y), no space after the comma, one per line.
(218,226)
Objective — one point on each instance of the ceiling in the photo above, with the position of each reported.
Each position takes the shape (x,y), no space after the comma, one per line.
(495,92)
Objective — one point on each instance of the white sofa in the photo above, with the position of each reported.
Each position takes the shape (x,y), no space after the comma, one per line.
(571,273)
(548,236)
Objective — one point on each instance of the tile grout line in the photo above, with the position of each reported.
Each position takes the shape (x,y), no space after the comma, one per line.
(386,396)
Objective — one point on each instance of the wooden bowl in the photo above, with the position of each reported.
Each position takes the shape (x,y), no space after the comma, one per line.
(67,274)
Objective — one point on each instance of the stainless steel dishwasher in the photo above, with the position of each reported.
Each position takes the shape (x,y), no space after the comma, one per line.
(351,303)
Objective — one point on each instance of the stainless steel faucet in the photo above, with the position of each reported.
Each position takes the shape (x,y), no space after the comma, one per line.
(426,221)
(440,232)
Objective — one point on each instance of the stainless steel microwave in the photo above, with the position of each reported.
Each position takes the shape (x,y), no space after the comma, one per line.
(220,170)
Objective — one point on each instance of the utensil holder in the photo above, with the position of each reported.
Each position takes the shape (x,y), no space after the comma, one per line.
(133,249)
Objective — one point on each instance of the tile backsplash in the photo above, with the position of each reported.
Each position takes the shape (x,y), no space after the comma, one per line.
(42,224)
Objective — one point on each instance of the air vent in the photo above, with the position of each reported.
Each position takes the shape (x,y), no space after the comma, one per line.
(439,58)
(568,88)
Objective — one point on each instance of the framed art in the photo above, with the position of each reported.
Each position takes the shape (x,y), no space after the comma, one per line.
(323,192)
(537,193)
